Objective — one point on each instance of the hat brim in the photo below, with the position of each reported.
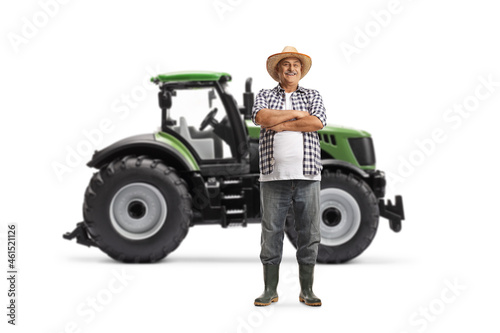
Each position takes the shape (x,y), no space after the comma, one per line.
(274,59)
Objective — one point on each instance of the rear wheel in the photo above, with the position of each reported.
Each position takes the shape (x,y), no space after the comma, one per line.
(137,209)
(348,218)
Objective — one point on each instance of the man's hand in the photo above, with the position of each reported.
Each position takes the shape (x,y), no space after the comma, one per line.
(276,128)
(301,114)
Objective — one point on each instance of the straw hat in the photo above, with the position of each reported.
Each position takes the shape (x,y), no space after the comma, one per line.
(288,51)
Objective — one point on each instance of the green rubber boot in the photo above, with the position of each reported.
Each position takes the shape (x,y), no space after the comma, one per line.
(270,295)
(306,277)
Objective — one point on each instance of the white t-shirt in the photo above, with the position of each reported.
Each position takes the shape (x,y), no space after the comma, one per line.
(288,154)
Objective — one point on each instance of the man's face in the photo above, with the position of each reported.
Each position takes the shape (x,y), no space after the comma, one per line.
(290,70)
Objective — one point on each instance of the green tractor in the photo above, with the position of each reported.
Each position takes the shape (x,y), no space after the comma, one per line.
(149,189)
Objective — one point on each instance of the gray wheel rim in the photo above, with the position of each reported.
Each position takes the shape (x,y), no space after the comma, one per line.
(348,217)
(138,211)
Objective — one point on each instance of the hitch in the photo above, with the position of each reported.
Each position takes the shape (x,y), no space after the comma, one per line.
(394,213)
(81,234)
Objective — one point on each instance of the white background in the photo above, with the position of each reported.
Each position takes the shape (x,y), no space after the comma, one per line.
(71,73)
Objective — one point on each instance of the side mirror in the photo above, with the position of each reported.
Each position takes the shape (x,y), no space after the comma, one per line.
(165,99)
(248,98)
(165,102)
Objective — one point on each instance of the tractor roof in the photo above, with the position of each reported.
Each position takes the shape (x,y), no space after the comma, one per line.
(191,76)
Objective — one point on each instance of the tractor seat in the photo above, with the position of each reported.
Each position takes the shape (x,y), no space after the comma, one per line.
(204,147)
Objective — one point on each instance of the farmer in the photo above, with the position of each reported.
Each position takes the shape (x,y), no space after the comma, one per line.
(290,169)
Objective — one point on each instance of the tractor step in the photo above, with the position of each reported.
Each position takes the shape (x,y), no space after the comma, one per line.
(236,224)
(233,201)
(227,202)
(235,217)
(232,182)
(232,196)
(235,211)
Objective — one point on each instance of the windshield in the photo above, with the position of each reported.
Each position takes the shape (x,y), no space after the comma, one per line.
(192,108)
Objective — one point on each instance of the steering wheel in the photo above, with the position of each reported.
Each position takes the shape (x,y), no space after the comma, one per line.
(209,119)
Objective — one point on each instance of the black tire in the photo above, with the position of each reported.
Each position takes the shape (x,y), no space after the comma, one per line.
(137,209)
(348,218)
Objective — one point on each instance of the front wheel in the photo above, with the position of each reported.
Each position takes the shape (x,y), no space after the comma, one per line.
(348,218)
(137,209)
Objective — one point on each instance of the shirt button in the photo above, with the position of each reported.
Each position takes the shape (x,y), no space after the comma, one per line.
(272,160)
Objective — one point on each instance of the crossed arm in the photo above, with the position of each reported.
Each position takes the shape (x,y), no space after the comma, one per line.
(288,120)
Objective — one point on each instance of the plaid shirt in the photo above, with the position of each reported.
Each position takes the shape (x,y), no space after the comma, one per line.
(304,100)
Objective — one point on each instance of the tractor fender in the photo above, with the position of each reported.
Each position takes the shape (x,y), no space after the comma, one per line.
(339,164)
(144,144)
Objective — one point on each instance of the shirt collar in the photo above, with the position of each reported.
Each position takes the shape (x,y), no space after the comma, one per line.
(280,90)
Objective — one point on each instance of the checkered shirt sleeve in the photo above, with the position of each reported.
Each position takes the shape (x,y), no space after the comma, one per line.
(302,99)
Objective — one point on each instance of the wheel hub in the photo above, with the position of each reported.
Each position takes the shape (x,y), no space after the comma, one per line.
(340,216)
(331,216)
(138,211)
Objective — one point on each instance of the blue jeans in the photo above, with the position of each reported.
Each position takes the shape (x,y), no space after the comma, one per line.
(276,197)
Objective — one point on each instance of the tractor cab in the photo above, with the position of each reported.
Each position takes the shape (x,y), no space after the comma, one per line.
(216,137)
